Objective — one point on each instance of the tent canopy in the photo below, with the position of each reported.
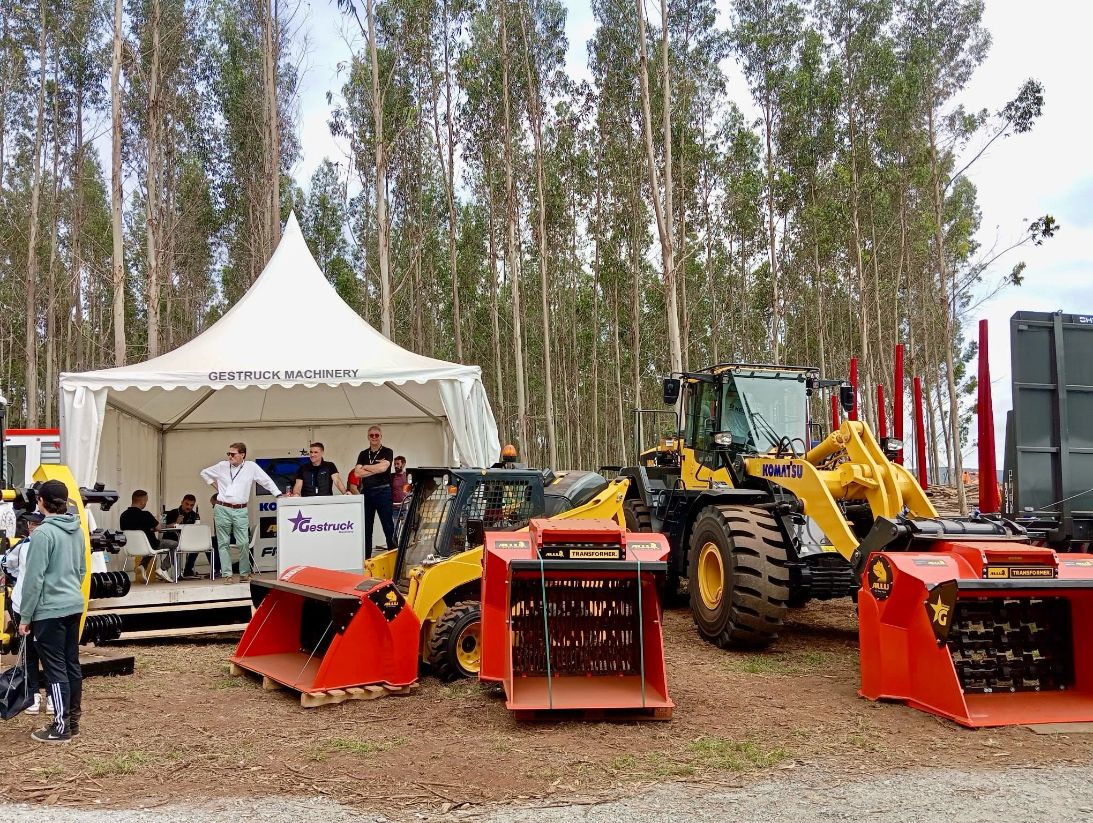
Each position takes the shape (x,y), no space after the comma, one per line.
(291,354)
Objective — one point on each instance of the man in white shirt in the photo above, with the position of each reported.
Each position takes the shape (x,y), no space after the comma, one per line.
(233,480)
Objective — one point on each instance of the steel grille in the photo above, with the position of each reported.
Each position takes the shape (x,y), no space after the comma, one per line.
(1009,645)
(494,505)
(426,513)
(593,626)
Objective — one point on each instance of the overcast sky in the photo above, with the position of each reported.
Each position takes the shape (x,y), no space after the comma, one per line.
(1046,171)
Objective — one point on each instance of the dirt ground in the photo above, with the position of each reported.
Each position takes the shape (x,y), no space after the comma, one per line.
(181,729)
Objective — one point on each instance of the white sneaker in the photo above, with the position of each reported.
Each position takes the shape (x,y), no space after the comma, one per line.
(162,575)
(49,704)
(36,706)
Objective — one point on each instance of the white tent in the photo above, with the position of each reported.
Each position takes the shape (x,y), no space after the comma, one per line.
(289,363)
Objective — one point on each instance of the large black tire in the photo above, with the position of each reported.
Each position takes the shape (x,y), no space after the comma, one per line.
(639,519)
(739,582)
(455,646)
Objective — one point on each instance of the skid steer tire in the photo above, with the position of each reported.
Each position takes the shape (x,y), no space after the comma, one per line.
(639,519)
(455,646)
(738,579)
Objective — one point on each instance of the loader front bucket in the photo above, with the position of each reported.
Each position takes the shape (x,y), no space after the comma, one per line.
(317,630)
(571,618)
(986,634)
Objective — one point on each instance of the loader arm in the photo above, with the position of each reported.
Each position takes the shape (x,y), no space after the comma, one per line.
(889,489)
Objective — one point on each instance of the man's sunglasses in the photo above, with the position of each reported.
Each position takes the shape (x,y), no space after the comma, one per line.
(371,436)
(232,454)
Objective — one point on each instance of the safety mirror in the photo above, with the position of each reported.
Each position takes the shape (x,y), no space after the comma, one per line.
(671,390)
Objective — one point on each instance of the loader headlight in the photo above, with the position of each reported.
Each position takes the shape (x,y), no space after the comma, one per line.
(722,439)
(891,445)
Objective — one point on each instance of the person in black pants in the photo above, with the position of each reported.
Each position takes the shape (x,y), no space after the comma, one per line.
(51,605)
(373,475)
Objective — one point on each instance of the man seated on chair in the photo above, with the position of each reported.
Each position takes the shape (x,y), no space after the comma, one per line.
(136,519)
(184,515)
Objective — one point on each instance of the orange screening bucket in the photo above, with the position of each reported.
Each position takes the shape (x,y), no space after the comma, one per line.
(317,630)
(984,633)
(571,618)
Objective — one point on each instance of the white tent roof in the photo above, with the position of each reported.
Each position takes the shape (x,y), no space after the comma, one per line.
(290,352)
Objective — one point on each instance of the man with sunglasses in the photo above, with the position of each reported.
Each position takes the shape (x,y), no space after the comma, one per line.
(233,480)
(373,475)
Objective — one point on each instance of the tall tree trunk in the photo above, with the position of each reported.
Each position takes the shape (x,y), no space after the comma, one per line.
(511,262)
(383,227)
(30,340)
(772,236)
(153,182)
(948,298)
(118,262)
(272,124)
(51,272)
(663,211)
(535,115)
(446,155)
(495,320)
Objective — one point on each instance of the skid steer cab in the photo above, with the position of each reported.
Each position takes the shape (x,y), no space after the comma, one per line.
(433,576)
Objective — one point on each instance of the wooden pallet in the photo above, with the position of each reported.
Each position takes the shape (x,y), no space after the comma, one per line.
(591,715)
(310,700)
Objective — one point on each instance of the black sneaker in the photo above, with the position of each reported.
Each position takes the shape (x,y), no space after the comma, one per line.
(50,735)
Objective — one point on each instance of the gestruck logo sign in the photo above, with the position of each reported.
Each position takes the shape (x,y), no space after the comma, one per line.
(247,376)
(302,523)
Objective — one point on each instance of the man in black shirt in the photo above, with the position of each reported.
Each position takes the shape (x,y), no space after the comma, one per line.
(318,477)
(184,515)
(136,519)
(373,475)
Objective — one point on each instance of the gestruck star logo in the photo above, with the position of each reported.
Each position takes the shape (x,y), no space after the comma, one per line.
(299,521)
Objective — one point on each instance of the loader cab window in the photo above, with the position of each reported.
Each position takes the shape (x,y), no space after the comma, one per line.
(771,408)
(702,418)
(15,469)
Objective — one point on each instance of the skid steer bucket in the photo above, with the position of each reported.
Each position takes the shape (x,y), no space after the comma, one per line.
(317,630)
(984,633)
(571,618)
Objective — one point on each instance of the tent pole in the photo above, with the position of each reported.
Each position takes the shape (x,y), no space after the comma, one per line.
(162,484)
(208,393)
(440,420)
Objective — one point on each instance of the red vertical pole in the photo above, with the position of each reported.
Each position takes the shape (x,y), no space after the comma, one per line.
(897,401)
(834,412)
(882,419)
(853,415)
(989,499)
(920,434)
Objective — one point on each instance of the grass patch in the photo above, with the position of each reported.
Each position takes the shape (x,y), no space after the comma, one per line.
(783,664)
(228,682)
(730,755)
(126,763)
(701,755)
(461,688)
(348,745)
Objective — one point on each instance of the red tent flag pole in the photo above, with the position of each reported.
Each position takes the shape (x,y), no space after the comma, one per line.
(920,434)
(882,420)
(853,415)
(989,499)
(897,402)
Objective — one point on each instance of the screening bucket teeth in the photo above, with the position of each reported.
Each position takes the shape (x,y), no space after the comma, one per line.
(318,631)
(982,633)
(571,618)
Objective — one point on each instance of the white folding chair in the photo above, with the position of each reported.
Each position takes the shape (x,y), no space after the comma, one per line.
(193,539)
(138,547)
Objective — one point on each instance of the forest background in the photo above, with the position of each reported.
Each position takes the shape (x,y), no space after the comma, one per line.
(792,182)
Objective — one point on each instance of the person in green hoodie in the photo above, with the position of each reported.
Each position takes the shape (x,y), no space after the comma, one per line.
(52,603)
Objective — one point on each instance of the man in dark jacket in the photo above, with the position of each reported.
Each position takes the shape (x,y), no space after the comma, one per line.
(52,604)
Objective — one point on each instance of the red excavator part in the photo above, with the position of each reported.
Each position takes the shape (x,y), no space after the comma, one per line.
(571,618)
(984,633)
(316,630)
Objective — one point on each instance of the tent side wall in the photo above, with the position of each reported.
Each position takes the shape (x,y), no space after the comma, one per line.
(128,460)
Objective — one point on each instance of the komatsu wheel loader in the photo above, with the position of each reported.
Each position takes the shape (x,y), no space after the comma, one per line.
(762,513)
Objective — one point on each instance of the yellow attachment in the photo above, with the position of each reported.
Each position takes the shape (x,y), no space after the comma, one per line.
(711,575)
(866,474)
